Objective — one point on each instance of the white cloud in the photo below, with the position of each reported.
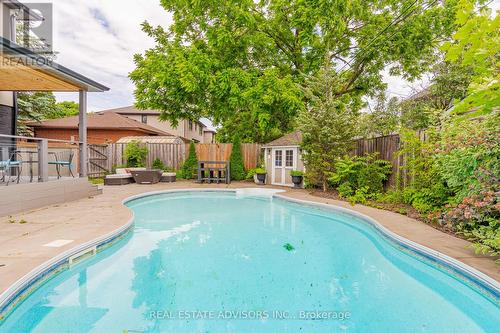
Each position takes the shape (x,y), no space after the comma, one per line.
(99,38)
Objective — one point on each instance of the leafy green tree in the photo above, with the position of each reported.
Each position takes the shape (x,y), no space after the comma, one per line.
(236,161)
(135,154)
(64,109)
(383,120)
(475,45)
(242,63)
(190,166)
(33,106)
(448,86)
(328,128)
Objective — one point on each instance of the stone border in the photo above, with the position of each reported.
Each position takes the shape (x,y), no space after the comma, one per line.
(22,288)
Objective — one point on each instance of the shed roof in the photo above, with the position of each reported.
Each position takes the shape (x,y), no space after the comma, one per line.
(100,120)
(291,139)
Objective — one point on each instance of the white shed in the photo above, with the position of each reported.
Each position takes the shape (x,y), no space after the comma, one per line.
(281,156)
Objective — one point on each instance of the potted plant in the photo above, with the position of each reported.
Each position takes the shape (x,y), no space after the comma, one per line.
(297,177)
(261,175)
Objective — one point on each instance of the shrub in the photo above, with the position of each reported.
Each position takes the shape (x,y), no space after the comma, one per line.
(260,171)
(296,173)
(356,172)
(236,161)
(190,167)
(478,218)
(158,164)
(345,190)
(135,154)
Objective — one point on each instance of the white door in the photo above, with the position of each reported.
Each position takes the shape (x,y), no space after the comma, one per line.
(283,160)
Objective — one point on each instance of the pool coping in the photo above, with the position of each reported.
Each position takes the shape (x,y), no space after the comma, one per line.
(23,287)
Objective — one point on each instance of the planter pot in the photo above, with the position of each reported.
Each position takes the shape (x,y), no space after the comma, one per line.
(261,177)
(297,181)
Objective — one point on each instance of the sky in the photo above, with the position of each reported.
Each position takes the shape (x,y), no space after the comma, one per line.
(98,39)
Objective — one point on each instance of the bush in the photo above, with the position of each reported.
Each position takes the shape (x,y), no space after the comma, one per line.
(158,164)
(190,167)
(260,171)
(365,173)
(236,161)
(135,154)
(478,218)
(296,173)
(345,190)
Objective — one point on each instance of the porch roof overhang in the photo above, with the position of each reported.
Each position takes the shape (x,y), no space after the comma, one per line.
(23,70)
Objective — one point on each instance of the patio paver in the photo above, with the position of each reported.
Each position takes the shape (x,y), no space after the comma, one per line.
(22,245)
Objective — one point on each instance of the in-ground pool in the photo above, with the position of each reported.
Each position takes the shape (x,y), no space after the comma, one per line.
(219,262)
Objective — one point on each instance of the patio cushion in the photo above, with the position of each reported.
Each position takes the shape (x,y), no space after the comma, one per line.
(168,174)
(119,176)
(122,171)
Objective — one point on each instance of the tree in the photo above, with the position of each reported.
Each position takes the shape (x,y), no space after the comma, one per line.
(242,63)
(475,45)
(33,106)
(328,128)
(383,120)
(190,166)
(135,154)
(448,85)
(236,161)
(64,109)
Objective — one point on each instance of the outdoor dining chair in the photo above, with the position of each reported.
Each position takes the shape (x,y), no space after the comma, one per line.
(14,162)
(63,159)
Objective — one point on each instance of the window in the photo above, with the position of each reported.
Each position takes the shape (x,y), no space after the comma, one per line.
(201,130)
(144,119)
(278,158)
(190,125)
(289,158)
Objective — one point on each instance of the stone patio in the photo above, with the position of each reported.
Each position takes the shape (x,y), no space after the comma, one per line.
(24,237)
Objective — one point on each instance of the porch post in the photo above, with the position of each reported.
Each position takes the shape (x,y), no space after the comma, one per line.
(82,131)
(43,160)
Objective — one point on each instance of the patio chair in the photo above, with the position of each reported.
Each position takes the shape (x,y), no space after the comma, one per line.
(14,162)
(63,159)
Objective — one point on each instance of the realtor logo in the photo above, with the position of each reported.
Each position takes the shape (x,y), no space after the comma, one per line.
(30,25)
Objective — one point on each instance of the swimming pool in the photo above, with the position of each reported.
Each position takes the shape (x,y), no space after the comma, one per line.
(222,262)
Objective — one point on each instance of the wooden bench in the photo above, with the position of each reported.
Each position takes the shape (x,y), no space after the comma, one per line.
(214,172)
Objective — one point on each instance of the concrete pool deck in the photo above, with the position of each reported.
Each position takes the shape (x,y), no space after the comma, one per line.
(31,238)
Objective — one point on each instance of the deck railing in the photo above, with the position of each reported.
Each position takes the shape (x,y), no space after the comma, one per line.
(38,159)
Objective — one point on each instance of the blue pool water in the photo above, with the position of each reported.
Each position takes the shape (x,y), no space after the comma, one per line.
(216,262)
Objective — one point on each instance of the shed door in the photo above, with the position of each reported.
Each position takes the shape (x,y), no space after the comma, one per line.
(284,161)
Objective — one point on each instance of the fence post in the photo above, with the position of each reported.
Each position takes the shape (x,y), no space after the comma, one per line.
(43,160)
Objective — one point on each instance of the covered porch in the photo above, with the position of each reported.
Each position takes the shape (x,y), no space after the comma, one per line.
(36,172)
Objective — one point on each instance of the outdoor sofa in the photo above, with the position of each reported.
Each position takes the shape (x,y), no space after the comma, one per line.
(122,176)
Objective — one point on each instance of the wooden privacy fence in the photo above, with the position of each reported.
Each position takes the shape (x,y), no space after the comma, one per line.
(171,154)
(222,152)
(387,148)
(102,158)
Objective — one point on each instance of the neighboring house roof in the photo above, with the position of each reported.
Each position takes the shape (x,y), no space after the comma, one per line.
(100,120)
(290,139)
(132,110)
(153,139)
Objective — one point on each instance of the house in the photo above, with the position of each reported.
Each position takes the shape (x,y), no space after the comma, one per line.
(189,129)
(102,127)
(28,69)
(281,156)
(209,136)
